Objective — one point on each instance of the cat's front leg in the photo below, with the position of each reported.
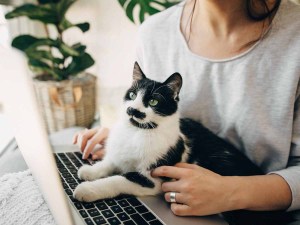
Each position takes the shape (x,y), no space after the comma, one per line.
(98,170)
(132,183)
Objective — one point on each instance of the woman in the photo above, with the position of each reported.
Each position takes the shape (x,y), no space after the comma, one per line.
(240,63)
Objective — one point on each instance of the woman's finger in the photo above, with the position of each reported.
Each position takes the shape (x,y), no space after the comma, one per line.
(83,138)
(96,139)
(186,165)
(75,137)
(98,154)
(168,171)
(171,186)
(181,209)
(179,198)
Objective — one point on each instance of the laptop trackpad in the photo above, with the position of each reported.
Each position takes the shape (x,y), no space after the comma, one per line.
(162,209)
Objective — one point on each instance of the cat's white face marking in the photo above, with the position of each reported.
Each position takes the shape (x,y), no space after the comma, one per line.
(138,104)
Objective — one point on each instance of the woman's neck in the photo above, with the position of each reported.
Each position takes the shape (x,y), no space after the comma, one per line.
(219,29)
(219,16)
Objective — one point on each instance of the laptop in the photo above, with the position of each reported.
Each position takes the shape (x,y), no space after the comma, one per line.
(55,168)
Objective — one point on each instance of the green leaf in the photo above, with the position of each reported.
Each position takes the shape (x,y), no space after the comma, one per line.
(45,13)
(41,67)
(80,64)
(84,27)
(65,24)
(67,50)
(43,56)
(79,48)
(129,9)
(23,42)
(63,6)
(145,7)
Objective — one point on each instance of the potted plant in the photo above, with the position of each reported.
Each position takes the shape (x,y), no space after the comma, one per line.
(66,93)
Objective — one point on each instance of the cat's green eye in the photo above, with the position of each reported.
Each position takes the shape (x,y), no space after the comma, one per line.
(153,102)
(132,95)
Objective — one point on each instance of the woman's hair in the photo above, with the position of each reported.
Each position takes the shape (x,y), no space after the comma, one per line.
(266,13)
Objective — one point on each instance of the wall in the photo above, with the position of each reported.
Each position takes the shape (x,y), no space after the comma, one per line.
(111,41)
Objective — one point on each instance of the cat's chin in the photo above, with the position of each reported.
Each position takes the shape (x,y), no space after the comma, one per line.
(146,126)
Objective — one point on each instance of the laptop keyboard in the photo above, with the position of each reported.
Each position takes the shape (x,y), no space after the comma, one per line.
(126,210)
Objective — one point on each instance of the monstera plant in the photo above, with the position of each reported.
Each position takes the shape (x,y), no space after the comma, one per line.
(66,93)
(147,7)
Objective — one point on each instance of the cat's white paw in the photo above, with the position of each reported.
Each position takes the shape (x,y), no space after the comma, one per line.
(87,173)
(85,192)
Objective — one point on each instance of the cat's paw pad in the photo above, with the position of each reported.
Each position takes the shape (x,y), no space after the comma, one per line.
(86,173)
(84,192)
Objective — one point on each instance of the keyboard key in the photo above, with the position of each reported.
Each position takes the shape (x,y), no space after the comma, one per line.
(69,192)
(156,222)
(61,154)
(99,220)
(62,169)
(65,186)
(70,180)
(116,209)
(73,186)
(107,213)
(141,209)
(71,167)
(93,212)
(130,210)
(134,202)
(129,222)
(110,202)
(66,175)
(73,199)
(123,203)
(78,164)
(78,154)
(138,219)
(114,221)
(101,205)
(148,216)
(88,221)
(71,155)
(67,162)
(83,213)
(88,205)
(78,205)
(123,216)
(74,172)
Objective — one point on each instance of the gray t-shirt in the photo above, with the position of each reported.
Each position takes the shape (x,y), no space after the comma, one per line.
(251,100)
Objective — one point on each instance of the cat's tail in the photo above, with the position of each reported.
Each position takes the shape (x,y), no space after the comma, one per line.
(243,217)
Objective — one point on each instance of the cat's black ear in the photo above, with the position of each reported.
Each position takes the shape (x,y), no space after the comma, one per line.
(175,83)
(137,72)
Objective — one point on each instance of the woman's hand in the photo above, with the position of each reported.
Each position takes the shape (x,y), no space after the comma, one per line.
(88,139)
(199,191)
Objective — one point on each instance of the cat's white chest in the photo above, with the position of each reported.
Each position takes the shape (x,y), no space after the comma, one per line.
(133,149)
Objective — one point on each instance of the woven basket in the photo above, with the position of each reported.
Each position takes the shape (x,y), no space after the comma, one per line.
(67,103)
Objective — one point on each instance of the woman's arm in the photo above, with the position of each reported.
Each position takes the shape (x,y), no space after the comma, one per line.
(262,193)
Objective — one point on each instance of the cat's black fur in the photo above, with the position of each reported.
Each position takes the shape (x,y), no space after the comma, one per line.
(206,149)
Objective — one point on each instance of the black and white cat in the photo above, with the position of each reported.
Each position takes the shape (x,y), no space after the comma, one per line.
(149,134)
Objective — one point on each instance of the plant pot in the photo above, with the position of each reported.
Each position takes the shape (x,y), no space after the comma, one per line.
(67,103)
